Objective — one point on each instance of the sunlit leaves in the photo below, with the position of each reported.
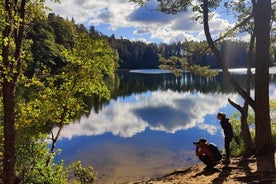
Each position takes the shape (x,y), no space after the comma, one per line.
(191,52)
(178,65)
(84,175)
(176,6)
(91,61)
(32,155)
(43,100)
(54,99)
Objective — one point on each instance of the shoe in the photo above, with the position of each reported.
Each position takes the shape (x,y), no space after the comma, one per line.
(226,167)
(208,168)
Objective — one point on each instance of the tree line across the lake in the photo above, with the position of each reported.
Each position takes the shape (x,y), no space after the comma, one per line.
(55,32)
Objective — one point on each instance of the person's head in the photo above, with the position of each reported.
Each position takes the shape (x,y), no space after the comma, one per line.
(221,115)
(201,142)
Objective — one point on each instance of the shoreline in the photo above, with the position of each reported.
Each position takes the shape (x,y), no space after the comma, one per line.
(240,171)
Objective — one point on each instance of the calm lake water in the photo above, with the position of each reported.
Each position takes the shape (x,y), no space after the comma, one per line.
(148,127)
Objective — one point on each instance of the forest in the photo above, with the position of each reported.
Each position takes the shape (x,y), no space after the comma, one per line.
(132,54)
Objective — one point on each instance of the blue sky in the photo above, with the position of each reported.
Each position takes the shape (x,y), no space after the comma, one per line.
(128,20)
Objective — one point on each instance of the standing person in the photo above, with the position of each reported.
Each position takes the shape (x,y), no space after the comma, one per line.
(228,135)
(205,154)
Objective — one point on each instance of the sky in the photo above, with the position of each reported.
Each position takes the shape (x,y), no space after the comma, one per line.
(131,21)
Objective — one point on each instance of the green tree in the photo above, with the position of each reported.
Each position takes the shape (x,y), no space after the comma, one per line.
(45,50)
(59,95)
(63,30)
(32,155)
(14,17)
(56,100)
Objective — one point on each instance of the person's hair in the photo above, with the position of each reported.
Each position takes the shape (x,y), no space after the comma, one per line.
(202,140)
(222,114)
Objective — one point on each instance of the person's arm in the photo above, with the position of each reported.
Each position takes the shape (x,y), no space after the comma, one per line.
(198,151)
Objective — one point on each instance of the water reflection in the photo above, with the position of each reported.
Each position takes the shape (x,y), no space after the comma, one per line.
(148,127)
(161,110)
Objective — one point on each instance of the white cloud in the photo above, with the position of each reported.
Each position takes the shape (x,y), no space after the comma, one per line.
(170,36)
(145,20)
(141,40)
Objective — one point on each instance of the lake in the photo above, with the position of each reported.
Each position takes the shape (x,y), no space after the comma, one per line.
(146,130)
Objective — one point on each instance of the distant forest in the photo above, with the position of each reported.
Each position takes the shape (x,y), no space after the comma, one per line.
(132,54)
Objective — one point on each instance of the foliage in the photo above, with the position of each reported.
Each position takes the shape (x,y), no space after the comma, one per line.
(48,44)
(62,68)
(15,15)
(32,156)
(237,145)
(63,30)
(84,175)
(54,97)
(33,153)
(177,65)
(137,54)
(273,119)
(177,6)
(132,54)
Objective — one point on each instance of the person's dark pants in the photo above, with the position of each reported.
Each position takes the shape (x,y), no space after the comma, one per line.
(206,160)
(227,142)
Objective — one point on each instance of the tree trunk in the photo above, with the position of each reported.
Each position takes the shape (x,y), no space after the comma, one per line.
(248,143)
(9,133)
(264,147)
(10,71)
(246,136)
(8,92)
(245,130)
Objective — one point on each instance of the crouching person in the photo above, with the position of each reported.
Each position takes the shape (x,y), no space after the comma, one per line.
(207,153)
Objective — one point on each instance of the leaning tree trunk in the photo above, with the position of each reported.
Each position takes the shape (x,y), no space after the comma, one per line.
(264,146)
(219,58)
(246,136)
(249,146)
(247,139)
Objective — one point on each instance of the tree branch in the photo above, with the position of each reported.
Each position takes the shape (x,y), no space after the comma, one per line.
(219,58)
(237,106)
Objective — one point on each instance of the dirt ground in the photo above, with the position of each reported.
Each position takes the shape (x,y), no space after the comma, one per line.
(241,170)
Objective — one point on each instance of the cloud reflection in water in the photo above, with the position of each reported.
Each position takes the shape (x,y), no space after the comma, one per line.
(167,111)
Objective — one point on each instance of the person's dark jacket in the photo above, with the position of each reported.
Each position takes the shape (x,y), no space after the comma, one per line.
(227,128)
